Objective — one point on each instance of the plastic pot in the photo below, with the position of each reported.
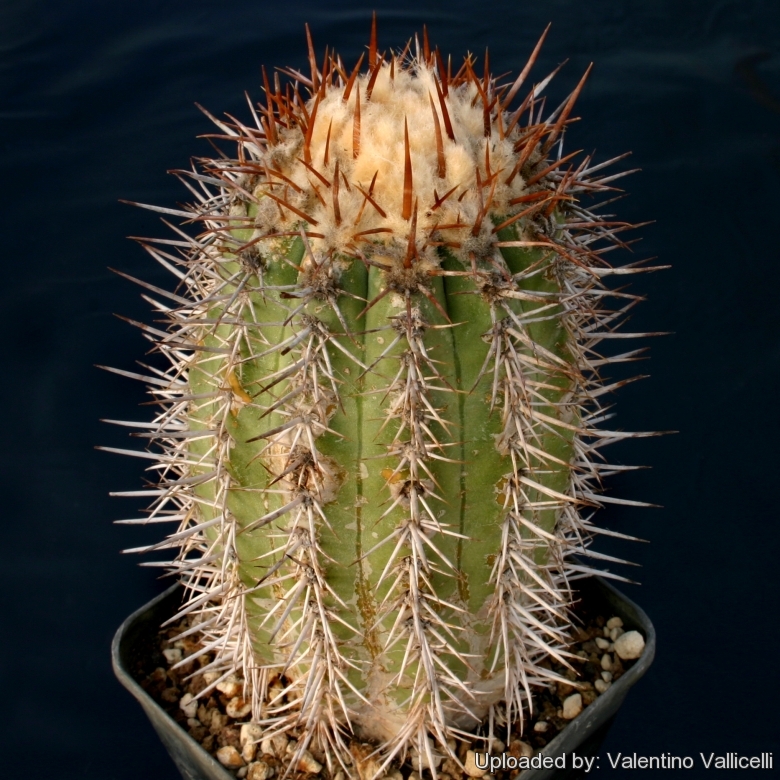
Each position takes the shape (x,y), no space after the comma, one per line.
(136,639)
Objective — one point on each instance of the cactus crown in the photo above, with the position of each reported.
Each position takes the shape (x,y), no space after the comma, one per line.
(379,430)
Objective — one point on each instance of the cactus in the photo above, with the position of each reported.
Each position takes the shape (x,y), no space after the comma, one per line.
(379,435)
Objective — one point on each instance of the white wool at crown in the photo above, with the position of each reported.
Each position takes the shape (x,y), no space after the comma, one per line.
(408,99)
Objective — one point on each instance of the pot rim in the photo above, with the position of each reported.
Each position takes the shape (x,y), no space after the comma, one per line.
(595,716)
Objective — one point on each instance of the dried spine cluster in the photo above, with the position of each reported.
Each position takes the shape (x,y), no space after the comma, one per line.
(379,430)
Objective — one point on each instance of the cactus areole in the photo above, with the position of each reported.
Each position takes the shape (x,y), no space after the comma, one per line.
(379,431)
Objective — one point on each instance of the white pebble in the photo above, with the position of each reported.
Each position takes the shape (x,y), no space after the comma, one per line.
(615,633)
(209,677)
(188,705)
(601,686)
(250,732)
(228,756)
(601,643)
(541,726)
(259,770)
(241,773)
(193,723)
(367,767)
(470,765)
(218,721)
(630,645)
(606,662)
(420,762)
(230,687)
(172,655)
(238,707)
(572,706)
(249,751)
(606,676)
(306,761)
(275,746)
(275,693)
(614,622)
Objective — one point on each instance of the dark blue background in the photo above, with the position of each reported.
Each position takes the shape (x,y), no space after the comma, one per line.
(97,103)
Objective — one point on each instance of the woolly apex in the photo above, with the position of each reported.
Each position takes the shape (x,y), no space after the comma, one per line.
(404,155)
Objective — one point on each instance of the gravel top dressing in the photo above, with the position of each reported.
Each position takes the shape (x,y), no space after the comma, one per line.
(215,714)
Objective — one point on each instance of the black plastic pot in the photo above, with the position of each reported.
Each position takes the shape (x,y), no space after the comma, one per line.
(137,639)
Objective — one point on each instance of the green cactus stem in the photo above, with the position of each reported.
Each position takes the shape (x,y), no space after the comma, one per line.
(379,435)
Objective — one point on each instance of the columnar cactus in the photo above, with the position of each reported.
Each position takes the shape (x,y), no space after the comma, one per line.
(379,431)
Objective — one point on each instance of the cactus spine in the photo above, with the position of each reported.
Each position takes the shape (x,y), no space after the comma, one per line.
(379,430)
